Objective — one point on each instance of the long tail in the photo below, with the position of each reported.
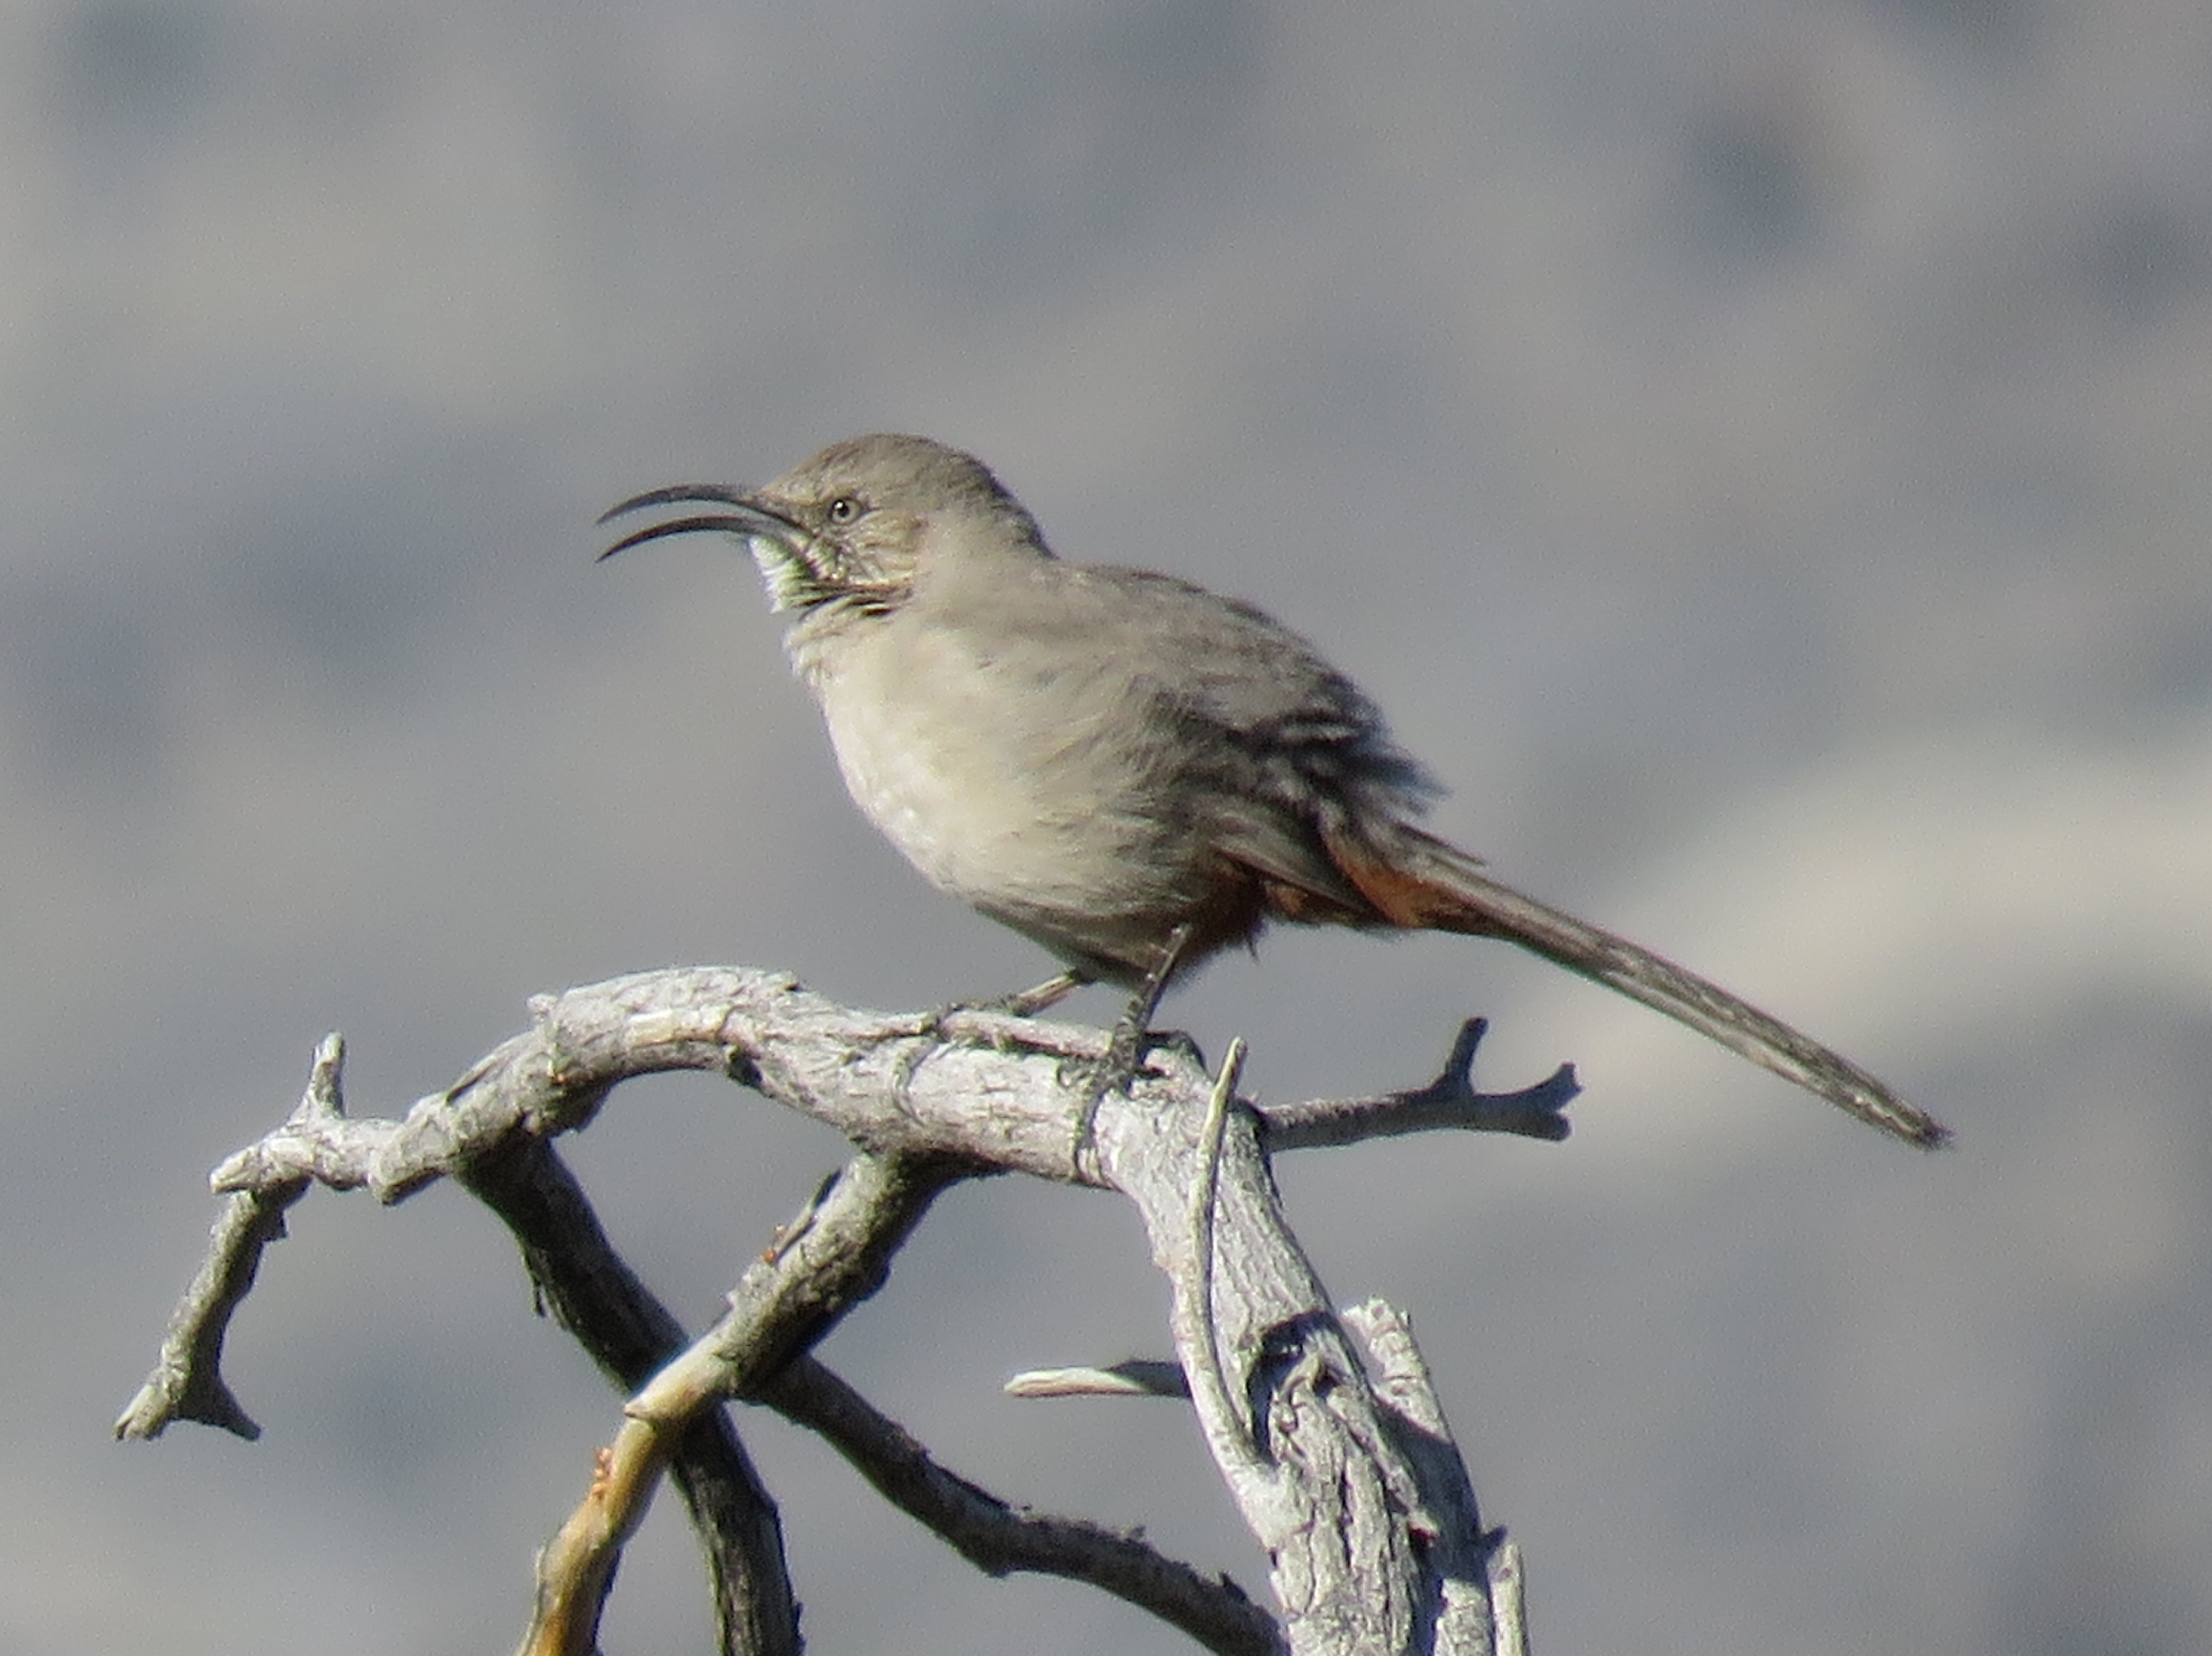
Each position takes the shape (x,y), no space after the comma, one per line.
(1432,885)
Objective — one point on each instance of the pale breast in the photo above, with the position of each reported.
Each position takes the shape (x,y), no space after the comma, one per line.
(1025,800)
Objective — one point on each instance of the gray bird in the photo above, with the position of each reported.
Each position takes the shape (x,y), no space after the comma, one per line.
(1133,771)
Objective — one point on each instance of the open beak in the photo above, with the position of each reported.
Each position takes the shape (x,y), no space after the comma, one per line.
(743,517)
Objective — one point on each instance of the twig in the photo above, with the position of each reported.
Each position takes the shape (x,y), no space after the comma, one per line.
(1508,1587)
(1232,1434)
(1450,1101)
(1132,1377)
(187,1382)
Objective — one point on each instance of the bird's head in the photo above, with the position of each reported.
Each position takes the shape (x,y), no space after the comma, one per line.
(858,525)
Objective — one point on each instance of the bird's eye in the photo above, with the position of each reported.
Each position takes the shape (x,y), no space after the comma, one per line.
(844,508)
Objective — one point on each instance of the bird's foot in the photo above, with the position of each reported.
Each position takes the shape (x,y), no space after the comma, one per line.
(1114,1070)
(927,1033)
(1117,1071)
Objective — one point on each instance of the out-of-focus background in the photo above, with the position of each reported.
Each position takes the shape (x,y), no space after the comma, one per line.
(1758,451)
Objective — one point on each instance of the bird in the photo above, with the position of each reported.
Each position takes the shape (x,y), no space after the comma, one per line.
(1128,769)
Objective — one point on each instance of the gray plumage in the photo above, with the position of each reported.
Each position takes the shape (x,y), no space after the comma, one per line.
(1111,760)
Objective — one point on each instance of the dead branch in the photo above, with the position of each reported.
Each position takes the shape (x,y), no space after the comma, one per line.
(1351,1486)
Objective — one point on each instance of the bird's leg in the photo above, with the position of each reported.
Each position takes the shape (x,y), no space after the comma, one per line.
(1124,1051)
(1028,1003)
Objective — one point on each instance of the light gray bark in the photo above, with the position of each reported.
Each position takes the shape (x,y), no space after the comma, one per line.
(1350,1483)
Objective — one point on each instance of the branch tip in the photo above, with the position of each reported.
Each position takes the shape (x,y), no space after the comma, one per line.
(1132,1377)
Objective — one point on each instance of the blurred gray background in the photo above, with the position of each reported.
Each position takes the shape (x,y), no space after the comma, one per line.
(1756,449)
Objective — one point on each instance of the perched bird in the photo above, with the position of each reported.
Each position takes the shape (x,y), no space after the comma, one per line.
(1126,767)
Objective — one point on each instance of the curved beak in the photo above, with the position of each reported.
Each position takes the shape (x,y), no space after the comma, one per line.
(744,518)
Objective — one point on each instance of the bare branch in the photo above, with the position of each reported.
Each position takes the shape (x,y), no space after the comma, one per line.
(594,1295)
(1000,1540)
(1448,1101)
(1132,1377)
(1314,1461)
(1460,1552)
(1233,1438)
(1509,1606)
(1306,1451)
(782,1304)
(630,1333)
(187,1382)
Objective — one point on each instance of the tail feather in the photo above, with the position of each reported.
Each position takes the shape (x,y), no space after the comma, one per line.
(1437,887)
